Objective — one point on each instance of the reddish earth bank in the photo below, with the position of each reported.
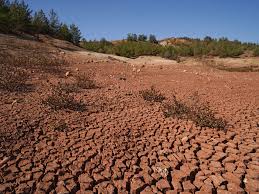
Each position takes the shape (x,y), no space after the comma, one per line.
(122,144)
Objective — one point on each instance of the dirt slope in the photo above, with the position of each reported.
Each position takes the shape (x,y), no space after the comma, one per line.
(121,143)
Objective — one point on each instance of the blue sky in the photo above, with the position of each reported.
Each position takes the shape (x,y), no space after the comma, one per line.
(113,19)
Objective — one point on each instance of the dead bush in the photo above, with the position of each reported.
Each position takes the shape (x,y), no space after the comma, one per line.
(13,79)
(194,110)
(152,95)
(84,81)
(60,99)
(176,109)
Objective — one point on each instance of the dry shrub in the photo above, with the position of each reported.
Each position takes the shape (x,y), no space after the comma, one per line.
(60,99)
(85,81)
(176,109)
(40,62)
(13,79)
(152,95)
(198,112)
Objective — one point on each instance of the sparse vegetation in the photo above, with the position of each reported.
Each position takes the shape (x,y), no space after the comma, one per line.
(194,110)
(84,81)
(250,68)
(152,95)
(256,52)
(12,78)
(60,99)
(37,62)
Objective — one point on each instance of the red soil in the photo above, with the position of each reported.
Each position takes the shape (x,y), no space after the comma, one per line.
(123,144)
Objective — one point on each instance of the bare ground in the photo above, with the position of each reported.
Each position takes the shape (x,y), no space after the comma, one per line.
(122,144)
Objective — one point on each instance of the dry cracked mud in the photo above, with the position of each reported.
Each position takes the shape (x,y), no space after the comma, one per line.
(123,144)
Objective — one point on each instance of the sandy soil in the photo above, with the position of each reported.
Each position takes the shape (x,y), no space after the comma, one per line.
(123,144)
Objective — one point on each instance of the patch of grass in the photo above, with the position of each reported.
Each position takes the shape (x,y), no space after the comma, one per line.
(84,81)
(60,99)
(152,95)
(198,112)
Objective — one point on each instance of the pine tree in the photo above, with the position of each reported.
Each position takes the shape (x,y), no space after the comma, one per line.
(20,16)
(75,33)
(152,39)
(40,22)
(4,16)
(64,33)
(142,37)
(54,23)
(132,37)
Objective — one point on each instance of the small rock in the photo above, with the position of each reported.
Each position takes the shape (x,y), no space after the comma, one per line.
(67,74)
(184,140)
(4,161)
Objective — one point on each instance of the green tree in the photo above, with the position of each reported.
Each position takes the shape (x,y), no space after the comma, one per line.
(75,34)
(4,16)
(142,37)
(20,16)
(64,33)
(152,39)
(40,22)
(54,23)
(132,37)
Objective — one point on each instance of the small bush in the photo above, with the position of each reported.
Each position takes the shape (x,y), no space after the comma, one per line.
(60,99)
(199,113)
(176,109)
(256,52)
(12,78)
(84,81)
(152,95)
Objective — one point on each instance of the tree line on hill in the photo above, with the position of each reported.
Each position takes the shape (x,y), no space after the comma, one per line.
(139,45)
(16,17)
